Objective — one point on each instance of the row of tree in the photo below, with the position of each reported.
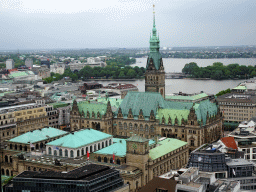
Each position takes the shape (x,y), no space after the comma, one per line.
(218,71)
(109,72)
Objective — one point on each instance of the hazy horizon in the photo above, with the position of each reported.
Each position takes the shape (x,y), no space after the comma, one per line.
(27,24)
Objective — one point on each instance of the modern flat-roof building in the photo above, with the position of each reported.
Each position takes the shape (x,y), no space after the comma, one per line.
(237,107)
(245,136)
(76,144)
(88,178)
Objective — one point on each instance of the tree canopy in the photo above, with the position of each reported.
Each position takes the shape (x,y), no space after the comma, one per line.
(218,71)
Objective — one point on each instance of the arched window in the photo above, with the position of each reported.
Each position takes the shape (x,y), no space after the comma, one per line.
(135,127)
(49,150)
(66,153)
(82,151)
(55,152)
(99,159)
(60,152)
(120,126)
(16,147)
(103,144)
(105,159)
(71,153)
(146,128)
(152,130)
(86,149)
(10,159)
(78,153)
(29,168)
(118,161)
(106,143)
(98,146)
(20,147)
(125,125)
(90,149)
(95,147)
(25,148)
(34,169)
(141,128)
(7,172)
(109,142)
(6,158)
(10,146)
(130,126)
(111,160)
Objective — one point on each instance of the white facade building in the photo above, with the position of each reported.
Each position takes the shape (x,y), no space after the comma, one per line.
(9,64)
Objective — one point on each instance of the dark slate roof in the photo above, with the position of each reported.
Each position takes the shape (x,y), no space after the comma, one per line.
(87,172)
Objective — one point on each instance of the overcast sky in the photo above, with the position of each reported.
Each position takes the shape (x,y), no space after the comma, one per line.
(37,24)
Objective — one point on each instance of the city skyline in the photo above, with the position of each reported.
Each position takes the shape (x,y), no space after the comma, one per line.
(125,23)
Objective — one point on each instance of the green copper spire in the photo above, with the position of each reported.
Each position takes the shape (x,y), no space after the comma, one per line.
(154,45)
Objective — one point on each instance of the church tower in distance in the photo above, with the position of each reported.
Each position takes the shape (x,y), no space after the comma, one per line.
(155,74)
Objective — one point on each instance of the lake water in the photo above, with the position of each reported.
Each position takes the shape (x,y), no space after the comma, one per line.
(189,85)
(176,65)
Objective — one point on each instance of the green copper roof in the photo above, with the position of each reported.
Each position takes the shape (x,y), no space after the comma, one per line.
(241,87)
(118,147)
(173,113)
(80,138)
(137,138)
(115,103)
(38,135)
(180,97)
(146,101)
(92,107)
(166,146)
(18,74)
(154,48)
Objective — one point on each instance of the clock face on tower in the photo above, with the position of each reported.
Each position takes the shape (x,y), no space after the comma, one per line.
(134,146)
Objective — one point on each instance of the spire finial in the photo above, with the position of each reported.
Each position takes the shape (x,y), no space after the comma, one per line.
(154,16)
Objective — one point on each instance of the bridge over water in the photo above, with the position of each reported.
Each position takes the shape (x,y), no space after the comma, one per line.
(175,75)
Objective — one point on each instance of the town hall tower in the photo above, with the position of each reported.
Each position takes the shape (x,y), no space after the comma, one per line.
(155,74)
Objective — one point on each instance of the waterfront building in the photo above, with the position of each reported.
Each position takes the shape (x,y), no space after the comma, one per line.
(29,62)
(88,178)
(237,107)
(76,144)
(9,64)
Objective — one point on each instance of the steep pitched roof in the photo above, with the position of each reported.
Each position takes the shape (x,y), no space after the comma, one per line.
(173,113)
(80,138)
(229,142)
(38,135)
(146,101)
(92,107)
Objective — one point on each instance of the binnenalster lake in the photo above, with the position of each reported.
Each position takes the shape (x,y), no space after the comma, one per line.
(189,85)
